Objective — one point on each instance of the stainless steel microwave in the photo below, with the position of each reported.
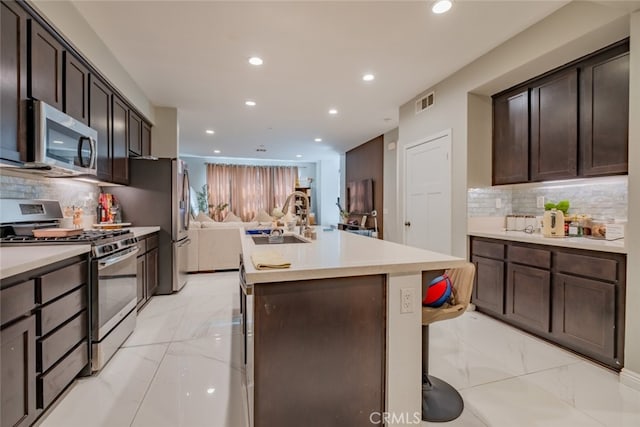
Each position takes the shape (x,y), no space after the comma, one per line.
(62,146)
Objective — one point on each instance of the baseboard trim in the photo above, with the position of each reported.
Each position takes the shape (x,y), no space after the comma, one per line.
(630,378)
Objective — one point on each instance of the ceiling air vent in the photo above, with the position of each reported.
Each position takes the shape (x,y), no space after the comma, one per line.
(425,102)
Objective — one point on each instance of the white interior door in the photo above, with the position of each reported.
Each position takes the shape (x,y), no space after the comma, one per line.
(427,221)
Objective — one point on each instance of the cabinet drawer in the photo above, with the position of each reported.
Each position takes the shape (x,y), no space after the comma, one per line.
(51,384)
(53,347)
(59,311)
(588,266)
(487,249)
(142,246)
(16,301)
(58,282)
(152,242)
(529,256)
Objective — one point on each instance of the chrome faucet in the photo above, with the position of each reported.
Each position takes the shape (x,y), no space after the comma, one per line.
(304,213)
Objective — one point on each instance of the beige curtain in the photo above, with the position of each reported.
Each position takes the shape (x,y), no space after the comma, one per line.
(249,189)
(219,181)
(283,183)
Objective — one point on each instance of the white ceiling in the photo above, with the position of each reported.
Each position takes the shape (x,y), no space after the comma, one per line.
(193,55)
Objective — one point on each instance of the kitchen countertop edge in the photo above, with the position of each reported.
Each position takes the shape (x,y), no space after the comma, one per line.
(614,246)
(342,254)
(19,259)
(143,231)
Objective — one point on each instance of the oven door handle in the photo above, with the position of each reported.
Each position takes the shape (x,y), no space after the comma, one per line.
(109,261)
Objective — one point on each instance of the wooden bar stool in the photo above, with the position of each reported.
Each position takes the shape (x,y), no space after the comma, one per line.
(440,401)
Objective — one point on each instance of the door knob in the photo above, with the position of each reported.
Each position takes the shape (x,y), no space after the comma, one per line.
(407,223)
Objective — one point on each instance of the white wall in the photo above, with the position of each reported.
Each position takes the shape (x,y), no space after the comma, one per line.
(329,176)
(165,135)
(390,159)
(70,23)
(550,43)
(632,331)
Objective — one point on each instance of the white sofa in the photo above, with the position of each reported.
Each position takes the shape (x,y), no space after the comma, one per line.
(215,245)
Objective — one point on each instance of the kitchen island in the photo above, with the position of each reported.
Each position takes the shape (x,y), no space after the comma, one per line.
(327,341)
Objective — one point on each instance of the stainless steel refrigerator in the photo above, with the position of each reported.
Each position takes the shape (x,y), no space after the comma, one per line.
(158,194)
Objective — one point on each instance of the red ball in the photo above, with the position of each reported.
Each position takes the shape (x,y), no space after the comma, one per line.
(438,291)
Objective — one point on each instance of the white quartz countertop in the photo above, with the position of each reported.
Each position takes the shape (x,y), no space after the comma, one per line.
(616,246)
(18,259)
(341,254)
(143,231)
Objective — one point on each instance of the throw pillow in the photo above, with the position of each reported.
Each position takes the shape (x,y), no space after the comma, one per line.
(262,216)
(231,217)
(202,217)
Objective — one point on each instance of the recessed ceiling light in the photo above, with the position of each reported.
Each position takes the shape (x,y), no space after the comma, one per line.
(210,131)
(368,77)
(255,60)
(333,111)
(441,6)
(318,140)
(216,151)
(250,103)
(211,390)
(298,155)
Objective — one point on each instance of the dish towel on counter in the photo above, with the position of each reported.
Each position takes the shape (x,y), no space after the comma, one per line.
(269,260)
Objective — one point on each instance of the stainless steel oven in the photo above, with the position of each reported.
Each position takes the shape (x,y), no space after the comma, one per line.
(113,303)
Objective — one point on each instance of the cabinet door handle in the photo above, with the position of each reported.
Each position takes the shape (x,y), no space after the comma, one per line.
(407,223)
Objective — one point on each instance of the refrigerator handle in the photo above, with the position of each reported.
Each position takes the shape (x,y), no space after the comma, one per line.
(184,242)
(186,190)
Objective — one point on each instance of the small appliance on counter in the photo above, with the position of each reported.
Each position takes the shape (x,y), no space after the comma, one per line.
(553,223)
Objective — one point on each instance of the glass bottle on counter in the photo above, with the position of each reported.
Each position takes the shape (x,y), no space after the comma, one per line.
(575,230)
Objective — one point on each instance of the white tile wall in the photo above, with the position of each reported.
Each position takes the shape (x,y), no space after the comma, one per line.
(69,192)
(600,197)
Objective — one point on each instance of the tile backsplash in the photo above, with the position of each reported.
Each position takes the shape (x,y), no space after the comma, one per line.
(600,197)
(69,192)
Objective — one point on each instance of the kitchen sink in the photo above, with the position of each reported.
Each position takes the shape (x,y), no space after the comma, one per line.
(275,240)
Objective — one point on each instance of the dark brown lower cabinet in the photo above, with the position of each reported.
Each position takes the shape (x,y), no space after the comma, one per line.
(584,315)
(44,337)
(315,342)
(147,276)
(18,367)
(152,272)
(488,290)
(141,275)
(572,297)
(528,297)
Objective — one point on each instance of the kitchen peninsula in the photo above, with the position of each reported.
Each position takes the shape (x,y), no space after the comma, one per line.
(326,341)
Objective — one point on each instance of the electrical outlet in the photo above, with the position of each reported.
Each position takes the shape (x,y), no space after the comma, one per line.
(498,203)
(540,202)
(406,300)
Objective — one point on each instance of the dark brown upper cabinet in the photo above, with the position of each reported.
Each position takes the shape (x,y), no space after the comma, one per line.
(100,120)
(135,133)
(511,138)
(76,88)
(146,139)
(570,122)
(45,66)
(120,132)
(554,127)
(13,57)
(604,113)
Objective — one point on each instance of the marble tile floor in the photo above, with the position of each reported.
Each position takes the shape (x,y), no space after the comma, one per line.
(180,368)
